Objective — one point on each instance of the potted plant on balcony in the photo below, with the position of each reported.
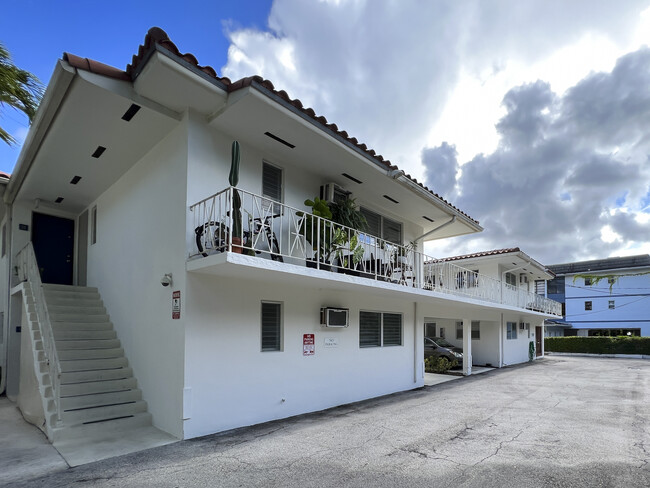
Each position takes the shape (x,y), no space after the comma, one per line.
(318,232)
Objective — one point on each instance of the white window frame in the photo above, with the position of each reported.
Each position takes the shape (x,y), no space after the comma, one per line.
(280,326)
(272,198)
(382,218)
(476,330)
(511,331)
(381,329)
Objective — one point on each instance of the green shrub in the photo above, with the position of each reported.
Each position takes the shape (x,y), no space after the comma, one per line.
(438,364)
(599,345)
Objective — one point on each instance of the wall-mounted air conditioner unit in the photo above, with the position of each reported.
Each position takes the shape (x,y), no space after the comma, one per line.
(334,317)
(331,192)
(523,278)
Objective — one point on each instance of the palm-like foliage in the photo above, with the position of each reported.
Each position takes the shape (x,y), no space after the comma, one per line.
(19,89)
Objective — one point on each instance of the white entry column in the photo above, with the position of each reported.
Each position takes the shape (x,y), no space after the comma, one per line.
(467,347)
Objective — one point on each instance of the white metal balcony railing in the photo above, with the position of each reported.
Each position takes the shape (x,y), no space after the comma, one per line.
(286,234)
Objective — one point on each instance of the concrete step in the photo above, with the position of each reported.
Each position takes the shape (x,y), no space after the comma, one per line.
(92,364)
(69,288)
(90,326)
(87,344)
(93,387)
(76,309)
(88,431)
(65,296)
(95,375)
(78,317)
(76,335)
(72,354)
(100,399)
(94,414)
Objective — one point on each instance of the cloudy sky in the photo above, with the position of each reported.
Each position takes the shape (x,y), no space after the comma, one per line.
(531,116)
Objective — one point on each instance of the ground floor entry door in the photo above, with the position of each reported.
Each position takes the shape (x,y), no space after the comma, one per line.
(53,241)
(539,337)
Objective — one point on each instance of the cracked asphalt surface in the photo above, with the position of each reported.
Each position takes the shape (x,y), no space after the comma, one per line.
(561,421)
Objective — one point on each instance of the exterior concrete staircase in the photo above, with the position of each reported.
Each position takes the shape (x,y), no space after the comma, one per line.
(98,392)
(93,408)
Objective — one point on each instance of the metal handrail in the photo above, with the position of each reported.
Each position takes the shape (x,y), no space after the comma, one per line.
(285,233)
(27,269)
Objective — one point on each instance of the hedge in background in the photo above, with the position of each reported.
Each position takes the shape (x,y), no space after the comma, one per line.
(598,345)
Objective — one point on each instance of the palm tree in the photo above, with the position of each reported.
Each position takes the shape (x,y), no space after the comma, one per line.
(19,89)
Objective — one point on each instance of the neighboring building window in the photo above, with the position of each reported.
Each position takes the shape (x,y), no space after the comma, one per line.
(511,330)
(93,225)
(4,239)
(587,305)
(556,286)
(511,279)
(382,227)
(611,281)
(272,184)
(587,281)
(271,326)
(476,329)
(442,332)
(377,329)
(459,331)
(612,305)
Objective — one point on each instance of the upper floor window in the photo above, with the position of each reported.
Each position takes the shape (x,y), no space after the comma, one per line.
(382,227)
(539,287)
(511,279)
(612,304)
(587,281)
(556,286)
(587,305)
(611,281)
(272,183)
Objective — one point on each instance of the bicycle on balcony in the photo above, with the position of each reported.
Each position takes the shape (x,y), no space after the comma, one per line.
(214,236)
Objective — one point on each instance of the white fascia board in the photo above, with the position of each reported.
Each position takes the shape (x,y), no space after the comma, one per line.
(56,91)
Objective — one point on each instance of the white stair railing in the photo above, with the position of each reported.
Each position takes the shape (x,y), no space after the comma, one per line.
(27,270)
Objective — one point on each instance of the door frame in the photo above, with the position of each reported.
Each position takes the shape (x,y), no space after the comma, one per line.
(539,340)
(54,212)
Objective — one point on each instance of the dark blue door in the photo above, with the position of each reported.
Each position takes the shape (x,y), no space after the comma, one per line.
(53,241)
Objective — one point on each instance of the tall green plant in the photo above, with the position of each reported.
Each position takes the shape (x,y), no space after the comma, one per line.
(233,178)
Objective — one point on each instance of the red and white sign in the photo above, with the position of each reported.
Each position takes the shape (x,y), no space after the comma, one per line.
(308,345)
(176,304)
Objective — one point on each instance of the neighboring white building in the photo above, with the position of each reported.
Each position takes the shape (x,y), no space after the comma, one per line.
(617,303)
(499,275)
(122,185)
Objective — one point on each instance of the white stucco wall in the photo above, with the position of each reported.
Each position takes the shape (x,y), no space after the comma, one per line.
(232,383)
(140,237)
(515,351)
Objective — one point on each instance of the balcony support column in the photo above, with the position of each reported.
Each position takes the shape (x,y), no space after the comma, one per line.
(467,346)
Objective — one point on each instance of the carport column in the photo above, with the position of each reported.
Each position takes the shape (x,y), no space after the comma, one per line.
(467,347)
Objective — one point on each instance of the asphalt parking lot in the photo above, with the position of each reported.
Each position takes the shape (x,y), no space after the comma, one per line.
(562,421)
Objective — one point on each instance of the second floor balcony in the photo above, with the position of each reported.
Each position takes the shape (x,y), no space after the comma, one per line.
(235,220)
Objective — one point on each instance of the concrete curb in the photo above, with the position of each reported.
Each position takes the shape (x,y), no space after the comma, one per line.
(584,354)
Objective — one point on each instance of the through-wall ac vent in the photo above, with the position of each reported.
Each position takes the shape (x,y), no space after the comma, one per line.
(130,113)
(282,141)
(58,200)
(352,178)
(391,199)
(75,180)
(427,218)
(99,151)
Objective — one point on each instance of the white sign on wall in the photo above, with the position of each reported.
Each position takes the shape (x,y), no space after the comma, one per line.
(331,342)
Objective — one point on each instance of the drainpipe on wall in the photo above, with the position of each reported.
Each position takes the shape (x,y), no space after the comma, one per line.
(416,362)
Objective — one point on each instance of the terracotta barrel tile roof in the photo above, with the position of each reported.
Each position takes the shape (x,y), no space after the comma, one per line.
(494,252)
(157,36)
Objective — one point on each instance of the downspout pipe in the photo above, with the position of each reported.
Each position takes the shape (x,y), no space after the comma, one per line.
(441,226)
